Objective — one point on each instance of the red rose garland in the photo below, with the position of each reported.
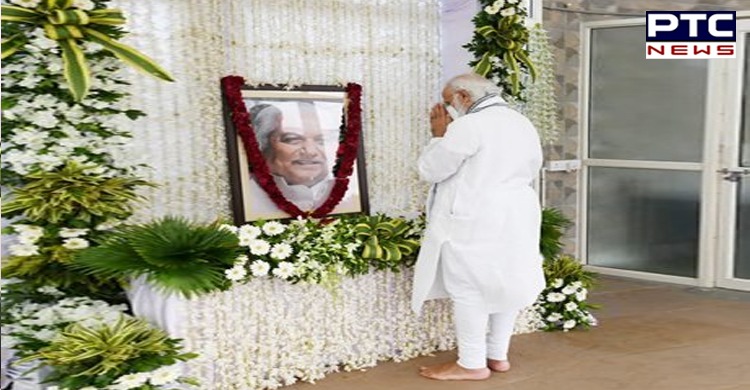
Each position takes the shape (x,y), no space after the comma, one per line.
(345,155)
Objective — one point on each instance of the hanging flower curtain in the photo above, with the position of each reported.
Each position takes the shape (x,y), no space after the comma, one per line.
(66,24)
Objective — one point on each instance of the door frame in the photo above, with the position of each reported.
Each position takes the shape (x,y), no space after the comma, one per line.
(729,145)
(713,223)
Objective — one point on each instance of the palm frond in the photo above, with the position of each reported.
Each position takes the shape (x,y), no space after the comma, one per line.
(554,224)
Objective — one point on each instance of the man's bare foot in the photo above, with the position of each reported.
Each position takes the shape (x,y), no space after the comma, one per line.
(498,365)
(453,372)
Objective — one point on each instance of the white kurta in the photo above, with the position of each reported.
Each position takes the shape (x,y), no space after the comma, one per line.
(482,211)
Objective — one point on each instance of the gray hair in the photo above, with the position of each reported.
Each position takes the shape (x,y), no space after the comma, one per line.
(265,119)
(475,85)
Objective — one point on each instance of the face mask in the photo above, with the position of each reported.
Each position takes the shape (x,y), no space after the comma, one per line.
(452,111)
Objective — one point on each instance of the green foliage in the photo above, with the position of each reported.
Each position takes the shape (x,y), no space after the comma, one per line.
(553,229)
(499,46)
(174,254)
(82,356)
(386,240)
(71,197)
(569,270)
(38,271)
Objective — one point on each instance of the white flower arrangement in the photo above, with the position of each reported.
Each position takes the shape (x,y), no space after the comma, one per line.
(563,305)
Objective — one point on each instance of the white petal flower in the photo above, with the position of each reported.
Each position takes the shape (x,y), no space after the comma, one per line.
(249,231)
(285,270)
(24,250)
(130,381)
(44,119)
(571,306)
(229,228)
(259,247)
(235,273)
(569,324)
(72,233)
(245,241)
(569,290)
(75,243)
(241,260)
(273,228)
(26,3)
(554,317)
(165,375)
(555,297)
(577,284)
(259,268)
(281,251)
(557,283)
(508,12)
(581,295)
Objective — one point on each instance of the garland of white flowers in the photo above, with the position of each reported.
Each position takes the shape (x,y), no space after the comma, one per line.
(540,104)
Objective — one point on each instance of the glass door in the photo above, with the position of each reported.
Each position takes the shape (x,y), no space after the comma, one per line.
(734,199)
(645,126)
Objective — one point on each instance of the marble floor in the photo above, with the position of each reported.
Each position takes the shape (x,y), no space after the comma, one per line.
(651,336)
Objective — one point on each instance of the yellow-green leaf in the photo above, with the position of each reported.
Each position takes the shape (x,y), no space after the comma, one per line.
(484,65)
(75,69)
(11,13)
(12,44)
(110,17)
(128,54)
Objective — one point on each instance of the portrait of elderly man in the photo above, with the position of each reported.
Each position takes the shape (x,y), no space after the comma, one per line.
(298,140)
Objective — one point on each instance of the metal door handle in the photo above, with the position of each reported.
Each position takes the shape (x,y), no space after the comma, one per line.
(734,175)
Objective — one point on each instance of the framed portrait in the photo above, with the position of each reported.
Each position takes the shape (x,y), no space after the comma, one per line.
(294,152)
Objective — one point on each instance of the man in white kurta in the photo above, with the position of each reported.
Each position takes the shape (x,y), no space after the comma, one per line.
(481,245)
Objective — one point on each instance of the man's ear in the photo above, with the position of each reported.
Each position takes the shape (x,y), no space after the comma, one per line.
(465,97)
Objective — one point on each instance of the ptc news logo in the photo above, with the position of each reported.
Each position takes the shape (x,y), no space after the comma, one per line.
(691,34)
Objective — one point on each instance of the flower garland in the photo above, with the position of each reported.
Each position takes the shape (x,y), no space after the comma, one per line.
(345,155)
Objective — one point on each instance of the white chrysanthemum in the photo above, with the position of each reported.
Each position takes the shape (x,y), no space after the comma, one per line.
(49,290)
(75,243)
(24,250)
(494,8)
(285,270)
(569,290)
(281,251)
(259,268)
(259,247)
(245,241)
(554,317)
(571,306)
(569,324)
(235,273)
(273,228)
(249,231)
(555,297)
(241,260)
(72,233)
(557,283)
(508,12)
(229,228)
(130,381)
(577,284)
(581,295)
(164,375)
